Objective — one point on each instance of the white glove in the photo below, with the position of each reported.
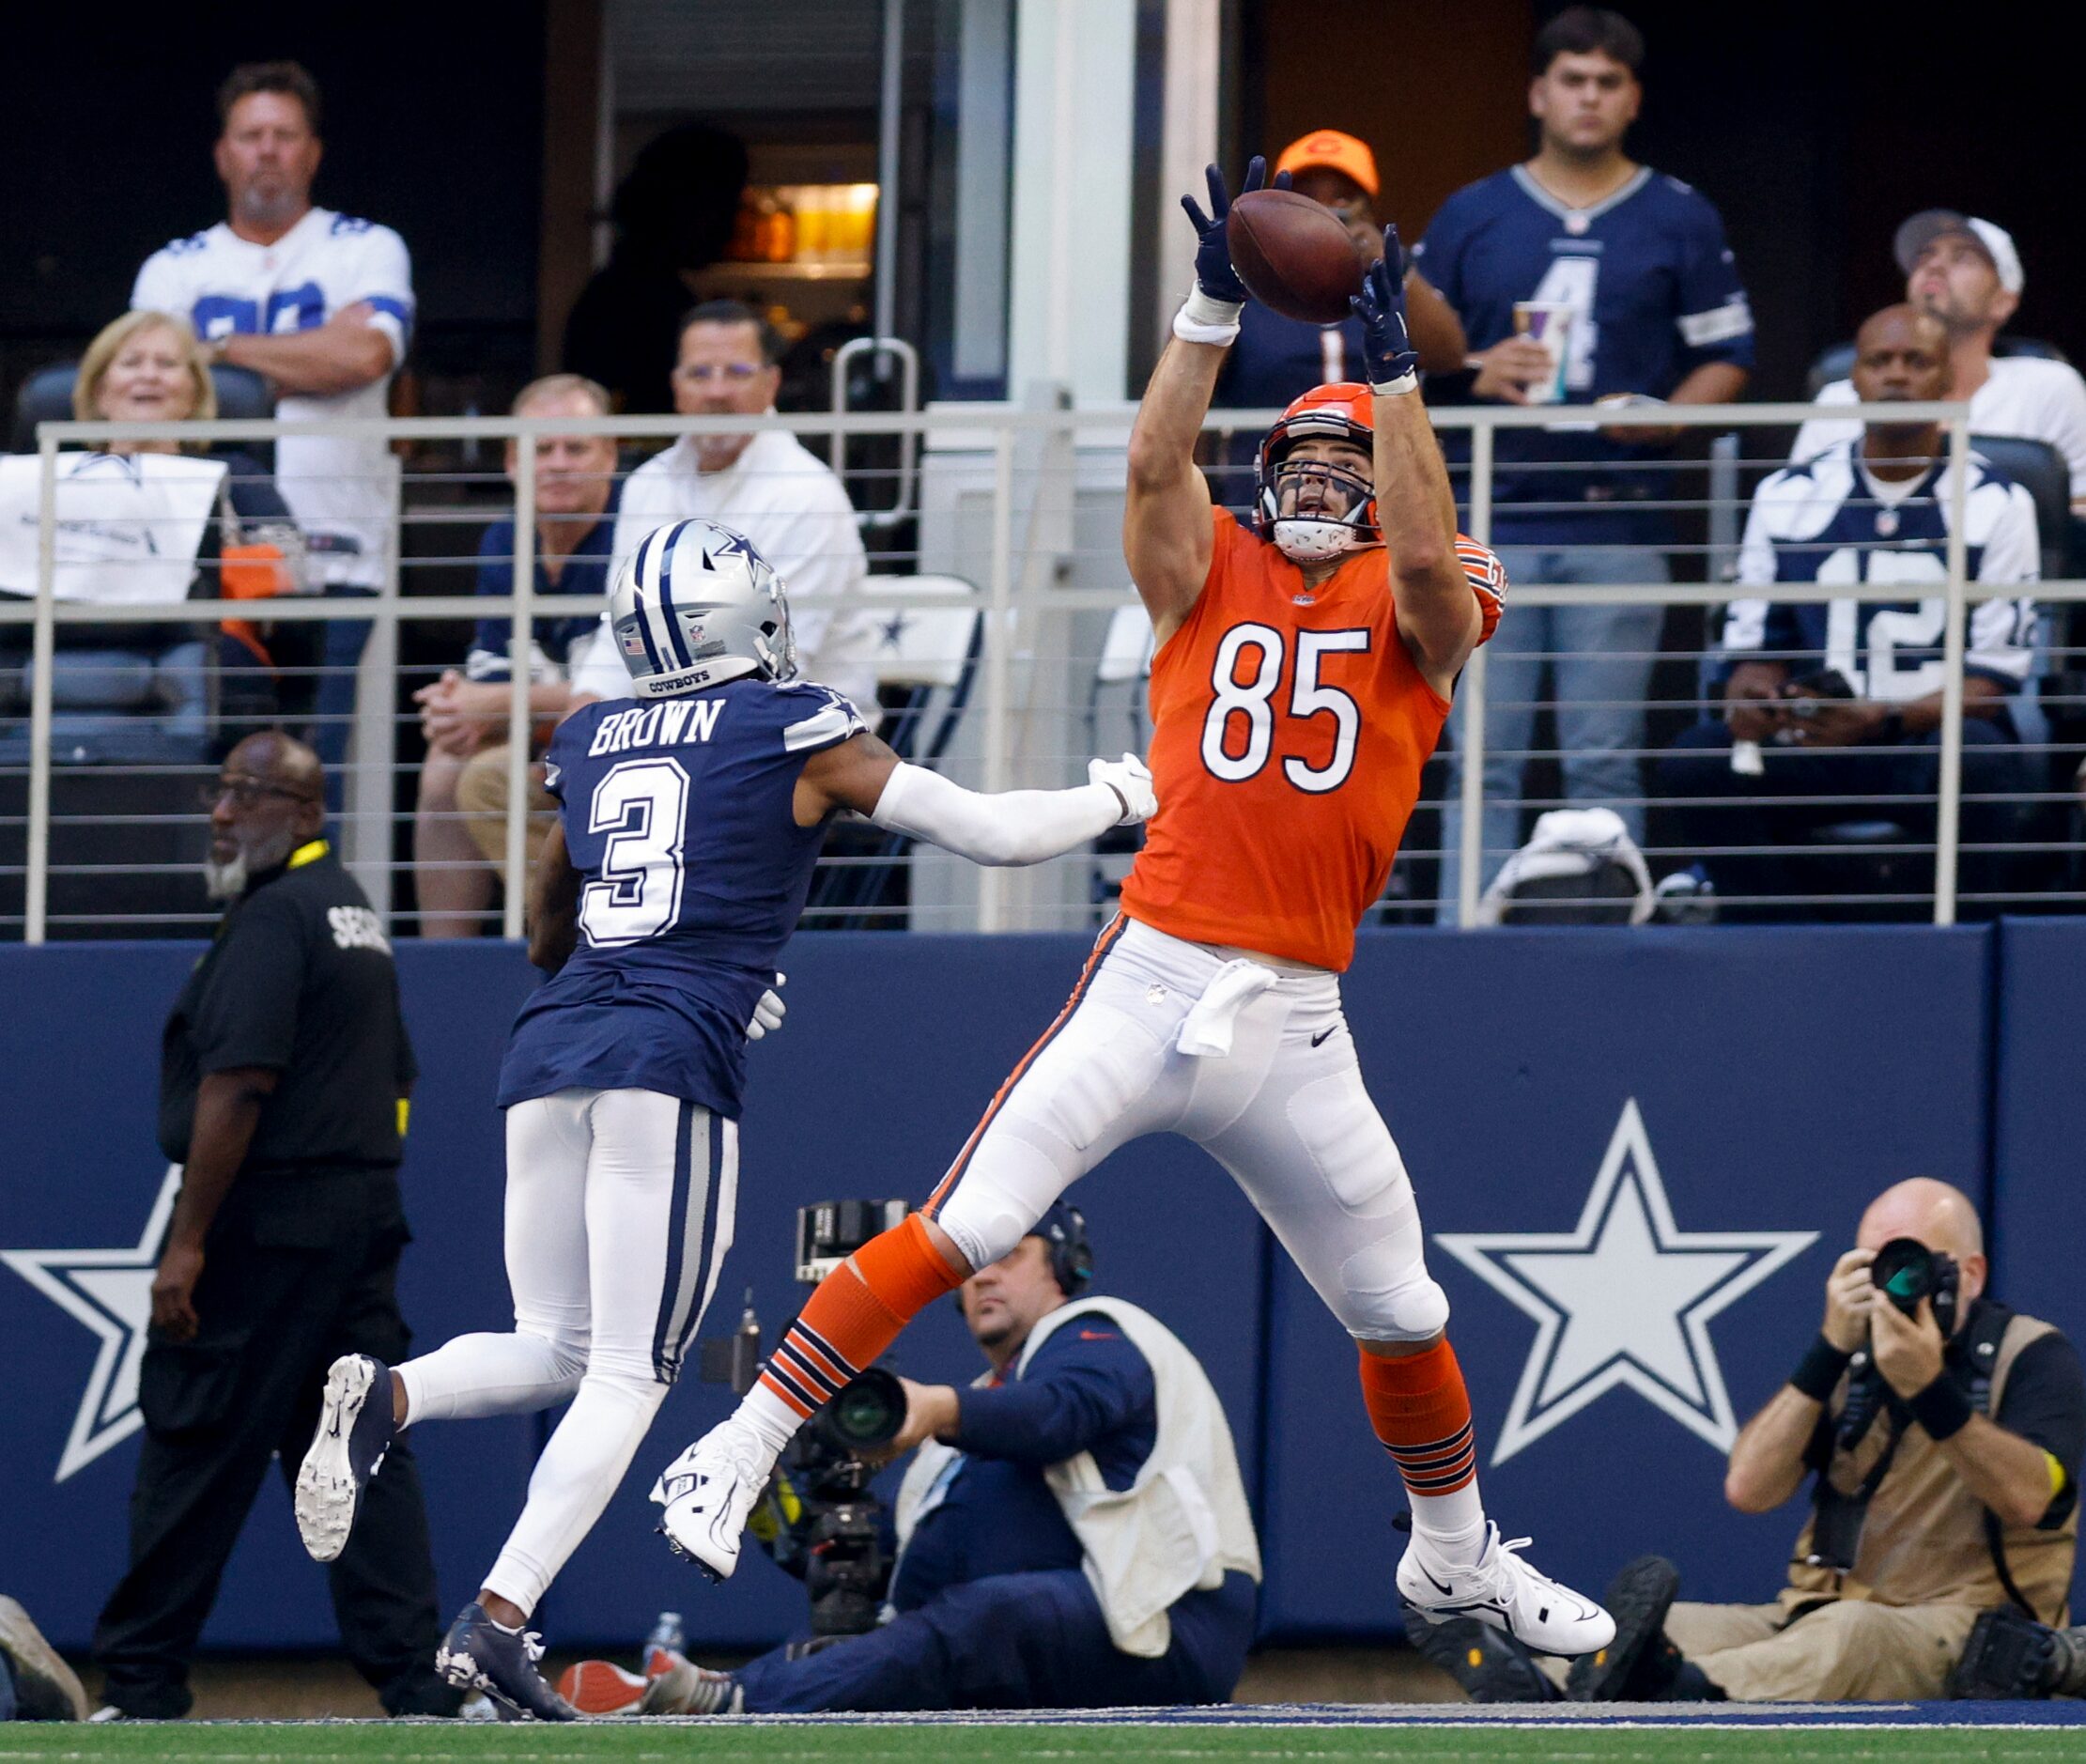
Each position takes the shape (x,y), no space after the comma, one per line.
(768,1011)
(1130,778)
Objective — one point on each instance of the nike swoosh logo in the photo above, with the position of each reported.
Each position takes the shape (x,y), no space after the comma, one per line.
(1439,1586)
(1316,1040)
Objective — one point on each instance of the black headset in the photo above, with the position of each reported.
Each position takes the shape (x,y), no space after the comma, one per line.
(1064,1230)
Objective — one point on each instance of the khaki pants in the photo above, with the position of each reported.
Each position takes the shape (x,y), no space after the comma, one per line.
(482,797)
(1850,1651)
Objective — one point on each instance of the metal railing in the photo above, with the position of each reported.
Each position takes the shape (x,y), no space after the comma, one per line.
(1025,503)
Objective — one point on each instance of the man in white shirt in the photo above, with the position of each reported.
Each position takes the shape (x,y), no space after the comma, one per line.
(1966,272)
(768,487)
(320,304)
(1832,710)
(318,301)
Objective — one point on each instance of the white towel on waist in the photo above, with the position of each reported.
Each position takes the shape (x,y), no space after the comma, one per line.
(1206,1031)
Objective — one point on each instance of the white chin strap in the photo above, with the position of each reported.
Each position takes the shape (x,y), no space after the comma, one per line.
(1305,540)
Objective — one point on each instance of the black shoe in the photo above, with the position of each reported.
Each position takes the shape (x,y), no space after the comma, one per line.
(1639,1598)
(45,1688)
(1489,1663)
(478,1655)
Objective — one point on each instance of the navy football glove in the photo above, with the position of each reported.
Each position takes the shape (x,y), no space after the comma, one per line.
(1381,306)
(1213,273)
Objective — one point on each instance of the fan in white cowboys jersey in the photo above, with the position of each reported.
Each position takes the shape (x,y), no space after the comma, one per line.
(691,820)
(1839,701)
(320,304)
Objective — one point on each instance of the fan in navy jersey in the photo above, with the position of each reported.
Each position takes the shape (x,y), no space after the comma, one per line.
(1832,710)
(1657,313)
(690,819)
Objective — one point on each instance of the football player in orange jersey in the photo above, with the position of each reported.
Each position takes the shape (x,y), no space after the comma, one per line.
(1302,677)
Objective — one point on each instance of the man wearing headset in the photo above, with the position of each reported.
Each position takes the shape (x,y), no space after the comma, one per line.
(1073,1531)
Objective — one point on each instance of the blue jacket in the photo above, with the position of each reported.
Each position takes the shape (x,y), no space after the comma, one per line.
(1086,1388)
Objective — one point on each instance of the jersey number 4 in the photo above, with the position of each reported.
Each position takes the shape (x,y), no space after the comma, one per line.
(1253,699)
(642,806)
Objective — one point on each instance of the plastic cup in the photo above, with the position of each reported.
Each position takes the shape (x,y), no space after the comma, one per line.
(1551,324)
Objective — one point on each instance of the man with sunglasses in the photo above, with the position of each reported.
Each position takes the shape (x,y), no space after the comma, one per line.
(284,1069)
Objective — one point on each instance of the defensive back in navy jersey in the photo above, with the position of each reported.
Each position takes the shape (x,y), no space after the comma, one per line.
(678,817)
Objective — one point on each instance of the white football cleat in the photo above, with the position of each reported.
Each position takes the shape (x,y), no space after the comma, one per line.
(1504,1591)
(708,1491)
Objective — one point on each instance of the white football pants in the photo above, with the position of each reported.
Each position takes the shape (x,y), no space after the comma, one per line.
(1276,1097)
(620,1207)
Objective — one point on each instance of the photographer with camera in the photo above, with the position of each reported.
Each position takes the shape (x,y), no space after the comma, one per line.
(1944,1433)
(1072,1533)
(1828,704)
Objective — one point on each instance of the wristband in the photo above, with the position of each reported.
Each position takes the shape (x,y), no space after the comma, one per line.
(1942,1409)
(1817,1373)
(1205,319)
(1407,381)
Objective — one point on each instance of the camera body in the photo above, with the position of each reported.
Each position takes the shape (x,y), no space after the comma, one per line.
(1906,1271)
(820,1519)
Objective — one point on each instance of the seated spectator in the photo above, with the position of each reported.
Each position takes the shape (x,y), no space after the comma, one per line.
(1832,710)
(768,487)
(1966,274)
(1942,1433)
(127,533)
(1072,1534)
(459,830)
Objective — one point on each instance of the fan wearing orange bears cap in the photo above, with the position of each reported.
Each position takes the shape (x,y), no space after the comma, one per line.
(1278,356)
(1302,676)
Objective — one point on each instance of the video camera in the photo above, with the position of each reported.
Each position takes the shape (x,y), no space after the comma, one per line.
(819,1519)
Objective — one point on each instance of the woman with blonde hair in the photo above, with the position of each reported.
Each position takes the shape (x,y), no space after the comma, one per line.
(142,692)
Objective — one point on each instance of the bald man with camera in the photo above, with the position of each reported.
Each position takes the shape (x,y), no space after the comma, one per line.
(1942,1433)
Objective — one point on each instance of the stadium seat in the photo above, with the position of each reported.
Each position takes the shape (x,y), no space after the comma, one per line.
(926,665)
(1125,661)
(46,396)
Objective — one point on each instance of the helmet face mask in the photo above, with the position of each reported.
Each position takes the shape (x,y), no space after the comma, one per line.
(1346,518)
(694,606)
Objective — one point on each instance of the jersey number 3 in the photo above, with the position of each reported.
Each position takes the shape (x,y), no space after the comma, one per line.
(642,806)
(1253,699)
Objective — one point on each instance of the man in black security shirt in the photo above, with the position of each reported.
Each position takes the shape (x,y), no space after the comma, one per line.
(284,1069)
(1043,1527)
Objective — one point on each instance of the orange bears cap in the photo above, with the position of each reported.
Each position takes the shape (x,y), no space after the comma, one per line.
(1330,147)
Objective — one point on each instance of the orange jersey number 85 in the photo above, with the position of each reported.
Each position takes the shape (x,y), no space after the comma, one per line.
(1253,699)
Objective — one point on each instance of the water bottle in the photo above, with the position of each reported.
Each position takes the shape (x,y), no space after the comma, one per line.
(667,1636)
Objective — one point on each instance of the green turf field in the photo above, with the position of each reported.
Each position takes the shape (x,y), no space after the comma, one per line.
(869,1744)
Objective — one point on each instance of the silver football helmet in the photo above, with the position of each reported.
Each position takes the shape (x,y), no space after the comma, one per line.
(695,605)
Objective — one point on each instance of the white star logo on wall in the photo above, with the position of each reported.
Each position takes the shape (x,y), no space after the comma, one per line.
(1624,1299)
(111,1291)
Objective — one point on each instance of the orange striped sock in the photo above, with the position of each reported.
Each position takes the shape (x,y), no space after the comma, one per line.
(855,1314)
(1420,1411)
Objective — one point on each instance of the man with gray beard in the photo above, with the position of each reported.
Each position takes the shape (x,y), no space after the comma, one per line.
(284,1074)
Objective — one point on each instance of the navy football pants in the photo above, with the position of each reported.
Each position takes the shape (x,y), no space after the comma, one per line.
(1015,1641)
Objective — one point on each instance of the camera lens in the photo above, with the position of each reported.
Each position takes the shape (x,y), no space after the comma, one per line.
(1903,1272)
(868,1411)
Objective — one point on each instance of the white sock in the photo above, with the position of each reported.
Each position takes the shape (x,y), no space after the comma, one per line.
(1452,1524)
(768,1418)
(571,1483)
(488,1374)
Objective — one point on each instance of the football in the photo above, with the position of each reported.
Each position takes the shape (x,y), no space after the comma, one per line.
(1293,255)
